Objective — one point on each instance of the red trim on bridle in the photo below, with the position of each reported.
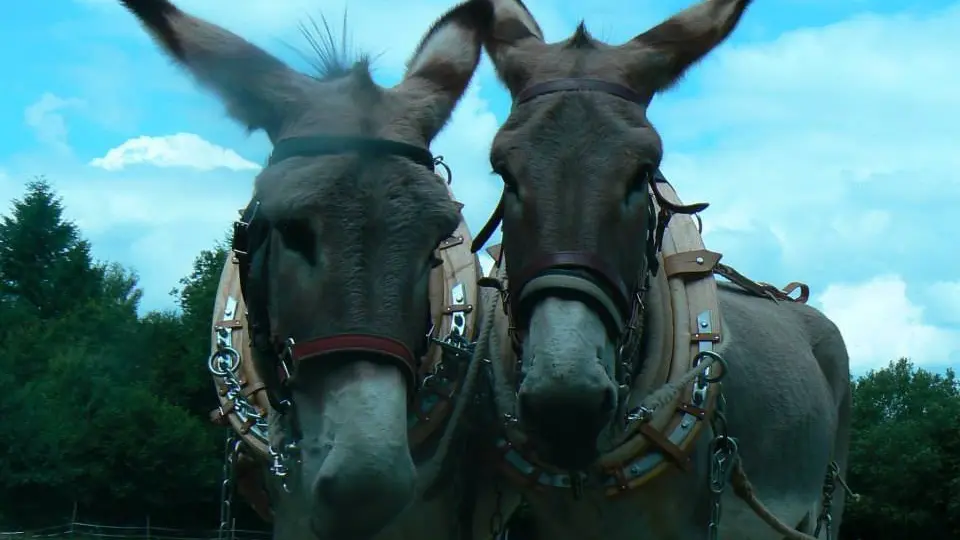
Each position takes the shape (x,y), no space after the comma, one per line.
(382,347)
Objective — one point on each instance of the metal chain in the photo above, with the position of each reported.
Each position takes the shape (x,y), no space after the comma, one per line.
(724,454)
(825,520)
(225,363)
(225,532)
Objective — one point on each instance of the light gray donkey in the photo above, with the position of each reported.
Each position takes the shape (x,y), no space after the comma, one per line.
(336,252)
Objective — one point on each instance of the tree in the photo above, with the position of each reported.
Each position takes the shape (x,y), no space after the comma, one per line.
(84,418)
(46,268)
(111,446)
(180,341)
(905,455)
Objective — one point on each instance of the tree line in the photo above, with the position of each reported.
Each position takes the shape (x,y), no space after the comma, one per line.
(106,410)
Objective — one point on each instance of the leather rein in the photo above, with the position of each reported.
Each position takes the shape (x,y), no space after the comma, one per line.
(587,275)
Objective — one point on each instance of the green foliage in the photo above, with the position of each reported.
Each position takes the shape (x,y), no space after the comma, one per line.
(42,256)
(100,407)
(905,455)
(196,298)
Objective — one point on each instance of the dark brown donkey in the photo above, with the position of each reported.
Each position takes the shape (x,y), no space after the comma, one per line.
(579,161)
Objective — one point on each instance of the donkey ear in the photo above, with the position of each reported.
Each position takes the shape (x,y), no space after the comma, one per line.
(685,38)
(513,25)
(257,88)
(444,62)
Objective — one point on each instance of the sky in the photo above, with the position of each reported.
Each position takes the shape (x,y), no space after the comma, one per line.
(822,133)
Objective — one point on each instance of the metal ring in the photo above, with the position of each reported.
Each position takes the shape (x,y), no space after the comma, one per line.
(439,161)
(230,354)
(717,359)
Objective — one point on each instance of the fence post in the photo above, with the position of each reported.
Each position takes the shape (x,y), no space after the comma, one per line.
(73,520)
(148,527)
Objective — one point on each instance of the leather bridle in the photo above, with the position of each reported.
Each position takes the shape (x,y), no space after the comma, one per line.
(585,275)
(278,361)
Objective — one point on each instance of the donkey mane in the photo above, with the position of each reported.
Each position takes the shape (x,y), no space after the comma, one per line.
(329,57)
(581,38)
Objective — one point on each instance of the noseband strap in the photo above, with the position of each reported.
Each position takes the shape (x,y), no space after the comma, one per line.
(576,273)
(574,287)
(574,260)
(380,347)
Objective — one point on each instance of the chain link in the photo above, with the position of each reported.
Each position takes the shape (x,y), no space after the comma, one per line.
(724,454)
(497,529)
(225,364)
(825,520)
(231,446)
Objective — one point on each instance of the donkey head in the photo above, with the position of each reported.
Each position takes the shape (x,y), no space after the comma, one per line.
(579,158)
(342,231)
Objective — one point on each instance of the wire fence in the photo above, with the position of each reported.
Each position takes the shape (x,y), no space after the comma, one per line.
(80,531)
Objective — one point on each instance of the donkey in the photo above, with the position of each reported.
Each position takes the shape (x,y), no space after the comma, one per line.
(579,161)
(338,246)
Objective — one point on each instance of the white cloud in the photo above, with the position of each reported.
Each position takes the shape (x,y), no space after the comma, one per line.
(880,323)
(156,220)
(828,154)
(815,117)
(152,221)
(178,150)
(45,118)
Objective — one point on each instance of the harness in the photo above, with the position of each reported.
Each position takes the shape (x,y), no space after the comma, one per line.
(661,430)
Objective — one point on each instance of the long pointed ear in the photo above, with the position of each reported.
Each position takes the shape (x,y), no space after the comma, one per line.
(684,39)
(513,25)
(444,62)
(257,88)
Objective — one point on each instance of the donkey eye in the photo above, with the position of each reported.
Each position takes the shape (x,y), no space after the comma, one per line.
(297,235)
(509,182)
(642,178)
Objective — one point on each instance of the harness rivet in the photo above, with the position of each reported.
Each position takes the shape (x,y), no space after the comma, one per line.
(704,324)
(699,260)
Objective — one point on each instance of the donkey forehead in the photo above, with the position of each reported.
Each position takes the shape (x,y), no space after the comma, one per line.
(585,124)
(536,61)
(389,115)
(341,189)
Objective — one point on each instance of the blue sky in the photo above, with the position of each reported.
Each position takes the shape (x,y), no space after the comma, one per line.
(822,132)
